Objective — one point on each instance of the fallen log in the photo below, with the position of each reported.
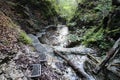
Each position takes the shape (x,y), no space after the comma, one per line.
(79,70)
(111,53)
(92,58)
(114,67)
(81,50)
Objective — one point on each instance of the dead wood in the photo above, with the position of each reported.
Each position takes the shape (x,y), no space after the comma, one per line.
(81,50)
(92,58)
(79,71)
(111,53)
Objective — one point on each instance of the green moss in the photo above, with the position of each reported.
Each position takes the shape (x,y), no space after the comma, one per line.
(24,38)
(91,35)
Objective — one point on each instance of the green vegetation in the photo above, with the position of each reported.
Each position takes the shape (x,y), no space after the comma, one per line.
(100,21)
(91,13)
(73,37)
(65,8)
(92,36)
(24,38)
(96,37)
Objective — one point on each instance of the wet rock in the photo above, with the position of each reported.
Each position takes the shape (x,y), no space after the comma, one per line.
(60,66)
(69,75)
(55,35)
(55,64)
(37,45)
(34,39)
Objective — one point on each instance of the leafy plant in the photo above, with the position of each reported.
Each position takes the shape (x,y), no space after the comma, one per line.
(104,7)
(24,38)
(76,35)
(73,37)
(91,35)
